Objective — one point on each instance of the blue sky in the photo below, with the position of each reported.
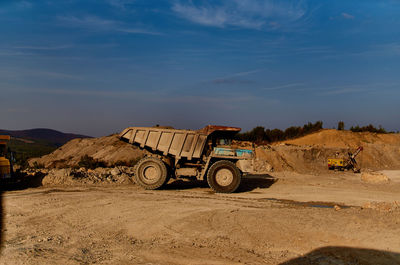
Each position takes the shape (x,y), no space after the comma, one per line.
(98,66)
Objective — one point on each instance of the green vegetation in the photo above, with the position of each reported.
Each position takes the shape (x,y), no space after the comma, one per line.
(368,128)
(340,126)
(90,163)
(129,163)
(261,135)
(24,150)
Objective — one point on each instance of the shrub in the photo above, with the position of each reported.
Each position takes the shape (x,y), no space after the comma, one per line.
(129,163)
(368,128)
(340,126)
(90,163)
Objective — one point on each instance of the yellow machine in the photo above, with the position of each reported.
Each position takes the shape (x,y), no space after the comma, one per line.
(5,165)
(345,164)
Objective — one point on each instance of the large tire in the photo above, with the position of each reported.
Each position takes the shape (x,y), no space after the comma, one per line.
(224,177)
(151,173)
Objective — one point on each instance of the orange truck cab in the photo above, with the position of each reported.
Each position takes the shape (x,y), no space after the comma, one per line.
(5,165)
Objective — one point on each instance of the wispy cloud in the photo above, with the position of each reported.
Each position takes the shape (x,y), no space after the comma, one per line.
(121,4)
(357,88)
(346,90)
(95,23)
(251,14)
(232,81)
(347,16)
(235,78)
(60,47)
(24,4)
(284,86)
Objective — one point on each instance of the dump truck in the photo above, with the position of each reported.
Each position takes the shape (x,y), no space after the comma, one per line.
(348,163)
(5,163)
(205,154)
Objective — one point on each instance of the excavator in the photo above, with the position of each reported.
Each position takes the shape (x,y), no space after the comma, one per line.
(6,160)
(349,163)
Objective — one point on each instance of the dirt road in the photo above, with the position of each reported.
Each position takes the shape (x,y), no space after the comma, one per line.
(283,218)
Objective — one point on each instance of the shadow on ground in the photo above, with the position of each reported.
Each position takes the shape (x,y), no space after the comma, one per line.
(249,183)
(345,255)
(181,184)
(23,181)
(252,182)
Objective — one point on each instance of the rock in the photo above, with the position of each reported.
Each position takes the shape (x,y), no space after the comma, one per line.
(115,171)
(337,207)
(374,177)
(57,176)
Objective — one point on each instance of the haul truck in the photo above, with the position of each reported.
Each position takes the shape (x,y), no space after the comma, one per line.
(5,164)
(207,153)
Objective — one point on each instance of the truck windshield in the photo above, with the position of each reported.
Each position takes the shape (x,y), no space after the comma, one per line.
(224,141)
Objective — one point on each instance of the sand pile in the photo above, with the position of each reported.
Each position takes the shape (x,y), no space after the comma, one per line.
(109,149)
(374,177)
(330,138)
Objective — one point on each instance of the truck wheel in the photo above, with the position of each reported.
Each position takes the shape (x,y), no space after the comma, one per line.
(151,173)
(224,177)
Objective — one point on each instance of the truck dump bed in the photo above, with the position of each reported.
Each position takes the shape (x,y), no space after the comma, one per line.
(179,143)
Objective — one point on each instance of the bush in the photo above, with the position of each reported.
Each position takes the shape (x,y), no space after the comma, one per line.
(129,163)
(37,165)
(90,163)
(368,128)
(340,126)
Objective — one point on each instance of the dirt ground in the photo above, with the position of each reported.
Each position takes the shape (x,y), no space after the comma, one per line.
(281,218)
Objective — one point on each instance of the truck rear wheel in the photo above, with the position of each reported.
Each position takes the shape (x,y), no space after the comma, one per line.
(151,173)
(224,177)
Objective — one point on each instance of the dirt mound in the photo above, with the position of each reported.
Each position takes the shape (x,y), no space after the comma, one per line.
(374,177)
(310,153)
(108,149)
(331,138)
(72,176)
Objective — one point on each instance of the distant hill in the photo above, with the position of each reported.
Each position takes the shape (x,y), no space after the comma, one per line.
(48,136)
(36,142)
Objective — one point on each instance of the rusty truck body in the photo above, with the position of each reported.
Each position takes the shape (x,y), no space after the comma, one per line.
(205,154)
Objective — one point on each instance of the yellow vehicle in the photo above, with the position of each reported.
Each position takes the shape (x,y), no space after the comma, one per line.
(5,164)
(335,162)
(345,164)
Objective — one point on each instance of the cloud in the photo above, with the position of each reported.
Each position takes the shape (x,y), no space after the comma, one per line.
(92,22)
(95,23)
(43,47)
(284,86)
(24,4)
(347,16)
(121,4)
(250,14)
(139,31)
(232,81)
(233,78)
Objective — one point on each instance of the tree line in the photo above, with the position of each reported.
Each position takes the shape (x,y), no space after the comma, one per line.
(261,135)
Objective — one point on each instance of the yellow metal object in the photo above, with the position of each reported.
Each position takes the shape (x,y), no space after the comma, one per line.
(4,168)
(335,162)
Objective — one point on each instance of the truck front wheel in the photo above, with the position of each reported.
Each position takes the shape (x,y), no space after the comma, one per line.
(224,177)
(151,173)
